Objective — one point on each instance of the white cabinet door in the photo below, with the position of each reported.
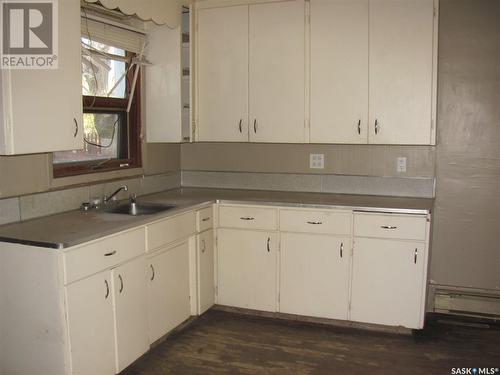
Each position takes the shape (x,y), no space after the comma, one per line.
(168,290)
(247,269)
(401,62)
(130,299)
(222,74)
(42,108)
(339,71)
(91,325)
(388,282)
(206,277)
(277,72)
(314,275)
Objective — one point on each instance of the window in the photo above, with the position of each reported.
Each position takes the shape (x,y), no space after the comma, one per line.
(111,124)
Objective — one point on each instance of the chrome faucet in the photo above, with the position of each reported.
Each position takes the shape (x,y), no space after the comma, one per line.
(106,199)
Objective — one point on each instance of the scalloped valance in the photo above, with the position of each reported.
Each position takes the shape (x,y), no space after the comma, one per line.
(161,12)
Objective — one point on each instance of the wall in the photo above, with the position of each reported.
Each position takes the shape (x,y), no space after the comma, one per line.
(466,251)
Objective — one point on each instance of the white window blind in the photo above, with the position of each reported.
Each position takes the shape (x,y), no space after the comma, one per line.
(107,33)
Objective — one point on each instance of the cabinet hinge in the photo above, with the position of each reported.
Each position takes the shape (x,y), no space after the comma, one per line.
(216,290)
(216,241)
(193,130)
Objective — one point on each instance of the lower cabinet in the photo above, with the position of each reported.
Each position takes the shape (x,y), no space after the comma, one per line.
(206,277)
(314,275)
(168,289)
(247,269)
(107,319)
(388,282)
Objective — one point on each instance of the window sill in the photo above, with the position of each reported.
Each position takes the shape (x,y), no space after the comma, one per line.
(95,177)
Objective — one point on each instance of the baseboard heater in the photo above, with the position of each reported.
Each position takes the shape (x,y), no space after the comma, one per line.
(467,304)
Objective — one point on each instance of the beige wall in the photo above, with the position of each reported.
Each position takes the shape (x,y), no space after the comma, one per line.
(466,250)
(26,174)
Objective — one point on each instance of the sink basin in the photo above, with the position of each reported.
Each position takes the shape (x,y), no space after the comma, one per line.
(137,209)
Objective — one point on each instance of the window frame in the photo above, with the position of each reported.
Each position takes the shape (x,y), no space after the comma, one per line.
(133,139)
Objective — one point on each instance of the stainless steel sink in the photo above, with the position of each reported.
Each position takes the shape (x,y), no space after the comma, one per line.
(137,209)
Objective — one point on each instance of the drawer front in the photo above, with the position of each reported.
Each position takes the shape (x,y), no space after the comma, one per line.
(205,219)
(170,230)
(390,226)
(106,253)
(248,217)
(315,221)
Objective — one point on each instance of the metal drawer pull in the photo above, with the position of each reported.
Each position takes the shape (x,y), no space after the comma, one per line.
(315,222)
(377,127)
(205,219)
(388,227)
(107,289)
(121,283)
(268,244)
(255,125)
(204,246)
(247,218)
(110,253)
(359,126)
(239,125)
(76,128)
(341,249)
(415,256)
(152,272)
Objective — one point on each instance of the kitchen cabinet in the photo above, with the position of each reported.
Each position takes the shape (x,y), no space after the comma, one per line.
(251,73)
(380,52)
(205,271)
(91,325)
(314,275)
(130,306)
(34,119)
(168,289)
(247,268)
(339,71)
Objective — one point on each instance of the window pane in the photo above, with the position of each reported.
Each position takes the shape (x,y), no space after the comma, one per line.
(102,133)
(102,75)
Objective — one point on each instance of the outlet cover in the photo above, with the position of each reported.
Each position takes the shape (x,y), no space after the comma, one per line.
(401,165)
(317,161)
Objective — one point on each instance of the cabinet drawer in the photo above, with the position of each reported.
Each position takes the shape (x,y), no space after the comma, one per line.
(315,221)
(170,230)
(106,253)
(248,217)
(204,219)
(390,226)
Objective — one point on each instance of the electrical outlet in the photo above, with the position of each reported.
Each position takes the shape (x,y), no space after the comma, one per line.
(317,161)
(401,165)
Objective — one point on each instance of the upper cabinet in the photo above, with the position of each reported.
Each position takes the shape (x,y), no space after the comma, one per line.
(42,108)
(251,73)
(373,71)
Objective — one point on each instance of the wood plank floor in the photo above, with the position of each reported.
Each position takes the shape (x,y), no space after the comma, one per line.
(229,343)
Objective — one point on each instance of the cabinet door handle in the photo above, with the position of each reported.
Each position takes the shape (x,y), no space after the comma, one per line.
(121,283)
(315,222)
(359,126)
(76,128)
(268,244)
(377,127)
(107,289)
(341,249)
(152,272)
(203,248)
(247,218)
(110,253)
(415,256)
(388,227)
(255,125)
(205,219)
(240,125)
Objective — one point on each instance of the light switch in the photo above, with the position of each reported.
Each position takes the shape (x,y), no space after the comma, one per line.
(317,161)
(401,167)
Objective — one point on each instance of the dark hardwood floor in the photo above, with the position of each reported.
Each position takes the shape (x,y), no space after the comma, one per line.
(229,343)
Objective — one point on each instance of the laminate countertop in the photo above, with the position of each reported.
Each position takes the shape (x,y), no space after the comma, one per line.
(76,227)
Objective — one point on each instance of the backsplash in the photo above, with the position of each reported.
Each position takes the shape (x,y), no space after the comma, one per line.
(52,202)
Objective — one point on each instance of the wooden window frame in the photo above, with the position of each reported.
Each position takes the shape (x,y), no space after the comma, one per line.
(132,141)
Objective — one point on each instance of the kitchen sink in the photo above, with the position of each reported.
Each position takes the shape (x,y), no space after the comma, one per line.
(138,209)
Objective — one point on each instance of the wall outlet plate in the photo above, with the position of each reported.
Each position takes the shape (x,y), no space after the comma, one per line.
(401,164)
(317,161)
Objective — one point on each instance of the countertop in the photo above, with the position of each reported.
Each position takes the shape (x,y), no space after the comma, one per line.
(75,227)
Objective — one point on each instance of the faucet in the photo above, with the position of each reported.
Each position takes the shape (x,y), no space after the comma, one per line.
(106,199)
